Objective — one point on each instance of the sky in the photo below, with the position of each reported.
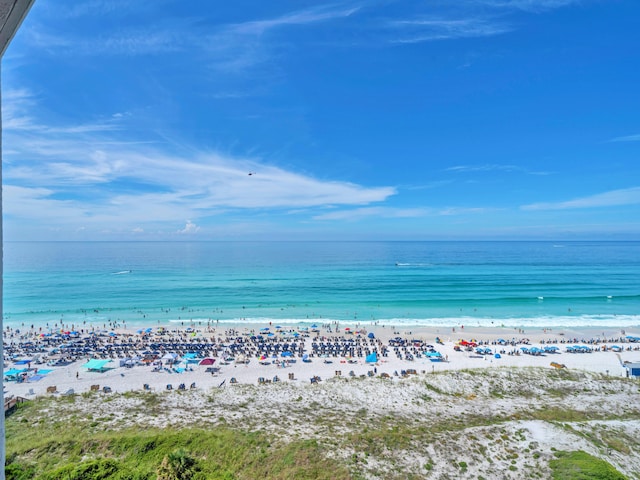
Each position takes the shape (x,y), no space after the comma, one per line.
(313,120)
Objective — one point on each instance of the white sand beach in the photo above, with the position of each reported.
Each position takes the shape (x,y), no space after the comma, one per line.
(607,352)
(466,414)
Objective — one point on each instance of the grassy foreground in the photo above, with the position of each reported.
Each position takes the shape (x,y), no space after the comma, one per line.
(196,454)
(167,454)
(492,425)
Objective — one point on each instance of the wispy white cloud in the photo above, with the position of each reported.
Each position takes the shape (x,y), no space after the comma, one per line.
(18,105)
(430,29)
(627,138)
(229,46)
(357,214)
(100,8)
(492,167)
(528,5)
(625,196)
(455,211)
(468,19)
(302,17)
(95,174)
(367,212)
(237,47)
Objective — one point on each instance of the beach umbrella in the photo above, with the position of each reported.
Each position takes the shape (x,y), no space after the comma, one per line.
(171,357)
(207,361)
(371,335)
(287,354)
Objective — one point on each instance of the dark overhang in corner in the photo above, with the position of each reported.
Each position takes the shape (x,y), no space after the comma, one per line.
(12,12)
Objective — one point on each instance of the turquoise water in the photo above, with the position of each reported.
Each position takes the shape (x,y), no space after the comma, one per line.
(404,283)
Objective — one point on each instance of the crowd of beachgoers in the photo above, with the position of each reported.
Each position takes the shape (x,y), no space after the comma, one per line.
(34,360)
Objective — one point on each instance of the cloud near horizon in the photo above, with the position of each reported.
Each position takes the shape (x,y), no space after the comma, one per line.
(624,196)
(97,175)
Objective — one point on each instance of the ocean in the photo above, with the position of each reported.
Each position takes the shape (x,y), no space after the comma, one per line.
(146,284)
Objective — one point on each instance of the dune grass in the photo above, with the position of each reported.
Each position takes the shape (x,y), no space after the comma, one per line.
(580,465)
(140,454)
(466,432)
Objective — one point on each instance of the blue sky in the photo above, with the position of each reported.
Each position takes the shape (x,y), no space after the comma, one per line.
(392,120)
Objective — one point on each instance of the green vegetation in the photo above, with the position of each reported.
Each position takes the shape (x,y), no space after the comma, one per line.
(582,466)
(168,454)
(468,428)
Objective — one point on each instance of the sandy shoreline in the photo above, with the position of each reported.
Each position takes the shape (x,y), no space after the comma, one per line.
(507,342)
(470,409)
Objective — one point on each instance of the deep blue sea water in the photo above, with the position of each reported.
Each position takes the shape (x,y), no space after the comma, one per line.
(403,283)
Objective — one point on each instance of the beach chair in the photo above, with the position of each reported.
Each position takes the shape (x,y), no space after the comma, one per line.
(52,389)
(169,386)
(106,389)
(233,380)
(261,380)
(193,386)
(276,379)
(292,376)
(146,387)
(95,388)
(182,386)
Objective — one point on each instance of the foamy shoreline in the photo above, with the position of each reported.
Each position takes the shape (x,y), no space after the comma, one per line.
(507,342)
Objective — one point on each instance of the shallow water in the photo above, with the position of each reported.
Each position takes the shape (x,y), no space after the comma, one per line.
(412,283)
